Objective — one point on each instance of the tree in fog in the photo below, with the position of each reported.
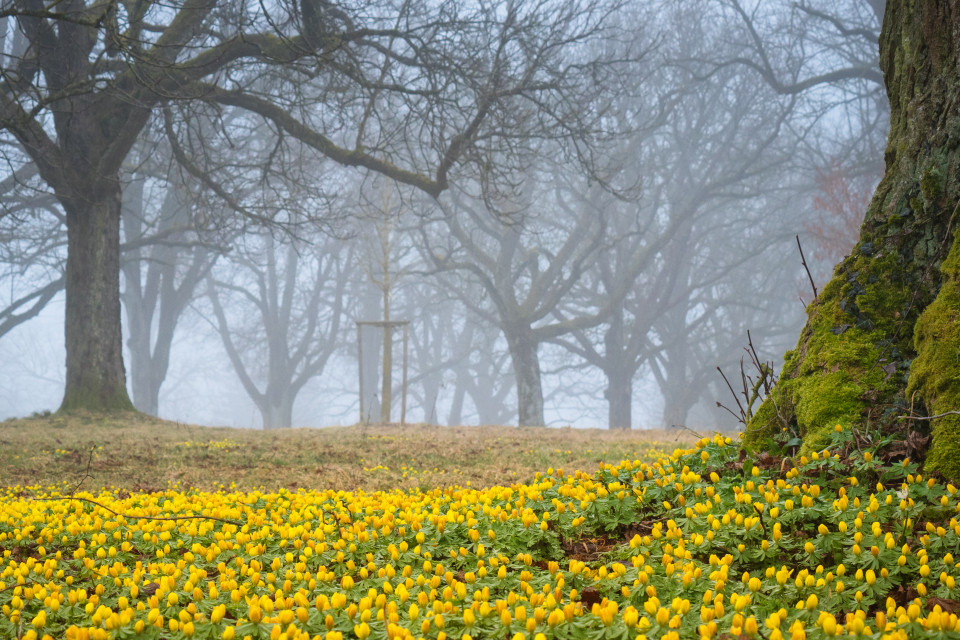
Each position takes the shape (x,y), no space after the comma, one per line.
(482,375)
(826,55)
(417,94)
(455,358)
(277,305)
(822,57)
(384,257)
(32,248)
(444,339)
(165,258)
(720,148)
(526,258)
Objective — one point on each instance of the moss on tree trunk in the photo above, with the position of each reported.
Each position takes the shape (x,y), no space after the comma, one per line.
(935,373)
(871,349)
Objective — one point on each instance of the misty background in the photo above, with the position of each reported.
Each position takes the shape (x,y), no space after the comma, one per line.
(603,298)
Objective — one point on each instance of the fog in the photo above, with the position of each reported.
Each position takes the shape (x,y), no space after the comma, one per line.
(580,250)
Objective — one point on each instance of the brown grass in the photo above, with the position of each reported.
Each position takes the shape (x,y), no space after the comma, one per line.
(137,452)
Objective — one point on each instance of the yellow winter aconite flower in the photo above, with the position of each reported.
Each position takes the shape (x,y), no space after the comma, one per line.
(700,535)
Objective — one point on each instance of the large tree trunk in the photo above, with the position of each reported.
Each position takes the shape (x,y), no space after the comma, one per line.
(277,412)
(619,395)
(619,368)
(455,417)
(95,375)
(526,368)
(882,337)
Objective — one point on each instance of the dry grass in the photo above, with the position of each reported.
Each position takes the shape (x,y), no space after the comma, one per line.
(137,452)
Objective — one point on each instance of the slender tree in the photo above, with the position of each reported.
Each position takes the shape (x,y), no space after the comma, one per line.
(285,320)
(164,264)
(526,262)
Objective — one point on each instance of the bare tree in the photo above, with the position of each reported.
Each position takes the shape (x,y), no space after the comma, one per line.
(721,148)
(482,376)
(416,93)
(32,249)
(384,258)
(284,320)
(526,261)
(164,262)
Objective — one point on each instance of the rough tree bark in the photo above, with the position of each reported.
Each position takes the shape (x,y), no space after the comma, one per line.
(526,368)
(620,370)
(882,339)
(95,372)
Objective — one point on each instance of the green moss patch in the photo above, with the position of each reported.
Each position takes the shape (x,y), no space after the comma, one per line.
(934,373)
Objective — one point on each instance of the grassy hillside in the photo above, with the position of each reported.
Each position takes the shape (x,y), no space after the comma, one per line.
(136,452)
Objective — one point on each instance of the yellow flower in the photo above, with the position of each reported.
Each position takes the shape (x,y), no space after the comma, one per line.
(829,625)
(39,620)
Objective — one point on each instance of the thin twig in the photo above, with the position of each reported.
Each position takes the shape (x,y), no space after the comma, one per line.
(86,472)
(746,394)
(683,426)
(25,584)
(803,261)
(939,415)
(140,517)
(735,398)
(727,409)
(765,374)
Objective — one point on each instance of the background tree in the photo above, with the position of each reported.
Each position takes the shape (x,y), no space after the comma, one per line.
(286,317)
(32,248)
(707,211)
(165,259)
(384,257)
(82,81)
(526,260)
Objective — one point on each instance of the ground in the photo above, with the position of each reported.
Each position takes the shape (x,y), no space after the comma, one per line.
(137,452)
(465,533)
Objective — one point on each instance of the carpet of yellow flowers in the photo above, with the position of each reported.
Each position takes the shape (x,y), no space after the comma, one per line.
(705,543)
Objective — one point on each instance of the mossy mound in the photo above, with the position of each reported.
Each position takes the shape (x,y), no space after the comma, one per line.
(849,363)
